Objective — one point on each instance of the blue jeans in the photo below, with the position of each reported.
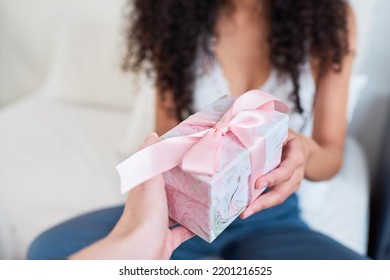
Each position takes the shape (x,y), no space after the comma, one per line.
(275,233)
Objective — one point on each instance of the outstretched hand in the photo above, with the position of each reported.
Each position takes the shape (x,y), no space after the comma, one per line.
(142,231)
(147,208)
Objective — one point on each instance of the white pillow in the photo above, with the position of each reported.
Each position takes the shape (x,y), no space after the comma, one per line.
(87,64)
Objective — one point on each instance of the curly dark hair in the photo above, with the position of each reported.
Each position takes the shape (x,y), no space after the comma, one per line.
(164,36)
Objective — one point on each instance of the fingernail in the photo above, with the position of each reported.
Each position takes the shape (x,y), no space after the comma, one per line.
(261,185)
(248,214)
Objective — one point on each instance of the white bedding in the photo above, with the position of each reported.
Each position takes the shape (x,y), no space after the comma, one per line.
(340,207)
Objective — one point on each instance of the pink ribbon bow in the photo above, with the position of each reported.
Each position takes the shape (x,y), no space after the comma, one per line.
(199,152)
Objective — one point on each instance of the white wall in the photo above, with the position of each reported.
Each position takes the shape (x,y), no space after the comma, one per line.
(370,119)
(27,29)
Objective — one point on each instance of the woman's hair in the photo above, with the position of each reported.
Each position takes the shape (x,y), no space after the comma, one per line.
(164,35)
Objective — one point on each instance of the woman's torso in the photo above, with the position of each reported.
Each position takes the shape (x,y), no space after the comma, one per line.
(241,61)
(211,84)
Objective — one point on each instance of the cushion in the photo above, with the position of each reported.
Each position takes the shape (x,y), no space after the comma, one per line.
(86,66)
(57,160)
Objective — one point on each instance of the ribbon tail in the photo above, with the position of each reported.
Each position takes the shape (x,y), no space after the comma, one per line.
(153,160)
(203,157)
(257,148)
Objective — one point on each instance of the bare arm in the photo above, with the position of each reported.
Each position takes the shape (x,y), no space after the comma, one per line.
(325,148)
(320,157)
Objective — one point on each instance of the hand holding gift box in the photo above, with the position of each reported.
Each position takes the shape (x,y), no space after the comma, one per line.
(212,160)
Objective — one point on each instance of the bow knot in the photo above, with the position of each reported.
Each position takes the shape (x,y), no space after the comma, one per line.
(222,127)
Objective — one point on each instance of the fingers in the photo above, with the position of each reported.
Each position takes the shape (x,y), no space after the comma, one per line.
(292,159)
(275,177)
(291,134)
(179,235)
(277,195)
(150,139)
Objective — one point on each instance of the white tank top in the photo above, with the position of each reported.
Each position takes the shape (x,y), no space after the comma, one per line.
(210,84)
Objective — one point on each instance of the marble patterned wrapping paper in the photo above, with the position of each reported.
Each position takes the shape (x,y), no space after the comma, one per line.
(206,205)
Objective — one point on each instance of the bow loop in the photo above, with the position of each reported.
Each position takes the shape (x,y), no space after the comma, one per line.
(251,118)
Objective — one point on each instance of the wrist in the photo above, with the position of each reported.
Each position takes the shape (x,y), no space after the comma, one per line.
(306,145)
(134,243)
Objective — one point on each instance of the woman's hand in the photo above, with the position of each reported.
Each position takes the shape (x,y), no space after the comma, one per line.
(285,179)
(142,231)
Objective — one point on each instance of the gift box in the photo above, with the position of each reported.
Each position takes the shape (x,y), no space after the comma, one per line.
(211,160)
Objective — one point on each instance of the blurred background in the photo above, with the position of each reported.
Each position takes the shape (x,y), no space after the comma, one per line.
(68,116)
